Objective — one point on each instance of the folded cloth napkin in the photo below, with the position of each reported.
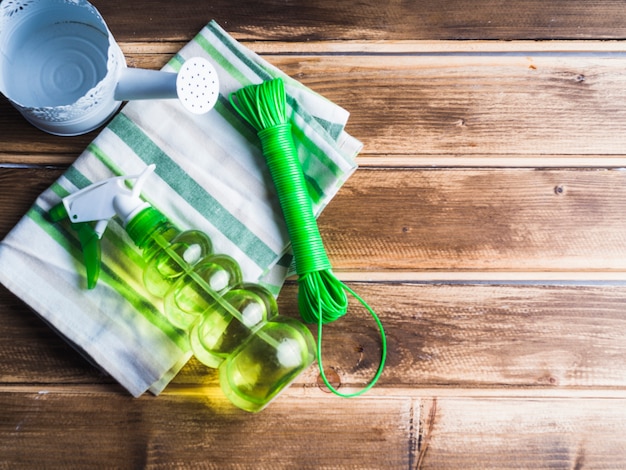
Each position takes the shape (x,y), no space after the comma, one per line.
(210,175)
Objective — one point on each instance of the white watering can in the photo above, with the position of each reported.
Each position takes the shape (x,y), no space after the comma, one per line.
(62,69)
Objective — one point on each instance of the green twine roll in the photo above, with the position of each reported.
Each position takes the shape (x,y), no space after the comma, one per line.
(321,296)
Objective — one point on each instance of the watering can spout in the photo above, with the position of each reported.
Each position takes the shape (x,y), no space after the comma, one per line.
(196,85)
(142,84)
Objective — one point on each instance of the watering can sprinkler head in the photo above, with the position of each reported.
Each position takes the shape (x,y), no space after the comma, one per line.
(196,85)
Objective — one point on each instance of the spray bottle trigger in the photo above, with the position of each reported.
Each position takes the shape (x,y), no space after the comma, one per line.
(99,202)
(89,238)
(90,243)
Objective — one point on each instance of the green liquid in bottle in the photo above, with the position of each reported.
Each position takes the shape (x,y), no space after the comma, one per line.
(253,375)
(231,325)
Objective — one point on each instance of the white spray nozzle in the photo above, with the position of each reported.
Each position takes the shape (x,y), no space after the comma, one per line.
(98,203)
(103,200)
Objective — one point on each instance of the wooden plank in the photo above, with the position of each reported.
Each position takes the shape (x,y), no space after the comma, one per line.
(514,220)
(19,187)
(553,339)
(474,104)
(513,434)
(480,336)
(193,430)
(447,105)
(326,19)
(91,429)
(478,219)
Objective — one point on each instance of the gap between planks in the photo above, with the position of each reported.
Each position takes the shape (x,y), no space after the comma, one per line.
(399,47)
(314,392)
(490,161)
(489,277)
(365,160)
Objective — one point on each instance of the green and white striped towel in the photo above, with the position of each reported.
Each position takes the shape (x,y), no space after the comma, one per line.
(210,175)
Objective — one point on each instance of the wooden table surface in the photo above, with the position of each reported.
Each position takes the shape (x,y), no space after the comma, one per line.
(486,225)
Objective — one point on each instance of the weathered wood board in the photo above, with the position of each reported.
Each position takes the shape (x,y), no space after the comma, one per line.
(485,225)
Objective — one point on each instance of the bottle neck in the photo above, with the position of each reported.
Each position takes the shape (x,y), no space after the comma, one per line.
(145,224)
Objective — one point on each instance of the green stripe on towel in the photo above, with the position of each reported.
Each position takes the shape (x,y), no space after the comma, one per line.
(238,53)
(182,183)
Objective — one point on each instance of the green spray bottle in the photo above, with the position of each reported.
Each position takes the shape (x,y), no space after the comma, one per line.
(232,325)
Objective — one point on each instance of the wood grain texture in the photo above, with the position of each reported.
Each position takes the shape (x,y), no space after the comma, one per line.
(467,104)
(478,219)
(564,434)
(370,20)
(485,226)
(417,219)
(19,187)
(95,429)
(472,336)
(195,430)
(457,103)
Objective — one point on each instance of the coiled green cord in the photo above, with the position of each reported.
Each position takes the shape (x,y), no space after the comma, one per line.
(321,296)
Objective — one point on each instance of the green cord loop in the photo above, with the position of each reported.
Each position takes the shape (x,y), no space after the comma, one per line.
(383,353)
(321,296)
